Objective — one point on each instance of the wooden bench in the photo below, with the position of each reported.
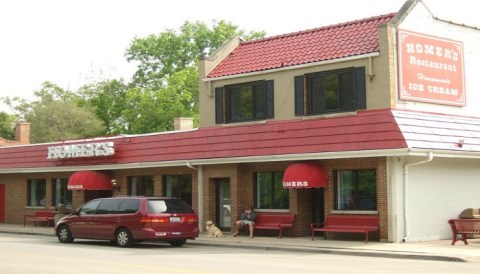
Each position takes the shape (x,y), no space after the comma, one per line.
(348,224)
(463,227)
(39,216)
(274,221)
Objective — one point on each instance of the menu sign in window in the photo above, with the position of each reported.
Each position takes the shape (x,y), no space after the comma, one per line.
(430,69)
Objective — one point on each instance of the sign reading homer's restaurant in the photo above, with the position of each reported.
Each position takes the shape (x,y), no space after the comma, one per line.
(430,69)
(81,150)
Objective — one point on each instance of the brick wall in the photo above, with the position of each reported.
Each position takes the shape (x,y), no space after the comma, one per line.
(241,186)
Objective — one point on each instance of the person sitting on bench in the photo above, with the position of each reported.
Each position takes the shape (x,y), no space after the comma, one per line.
(247,218)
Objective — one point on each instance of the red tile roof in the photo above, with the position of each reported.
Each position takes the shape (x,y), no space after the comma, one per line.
(309,46)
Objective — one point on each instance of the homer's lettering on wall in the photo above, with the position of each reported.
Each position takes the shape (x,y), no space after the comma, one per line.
(430,69)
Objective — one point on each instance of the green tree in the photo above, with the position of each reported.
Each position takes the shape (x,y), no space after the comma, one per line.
(150,110)
(159,56)
(167,73)
(56,115)
(107,98)
(7,126)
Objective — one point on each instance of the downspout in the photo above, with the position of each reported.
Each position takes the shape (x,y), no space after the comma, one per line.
(405,191)
(200,194)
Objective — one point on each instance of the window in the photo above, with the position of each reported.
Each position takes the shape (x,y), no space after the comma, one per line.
(109,206)
(330,91)
(60,194)
(356,190)
(36,192)
(179,186)
(244,102)
(140,185)
(129,206)
(269,191)
(89,208)
(168,206)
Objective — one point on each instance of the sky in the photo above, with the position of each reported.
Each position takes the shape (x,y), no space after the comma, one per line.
(73,42)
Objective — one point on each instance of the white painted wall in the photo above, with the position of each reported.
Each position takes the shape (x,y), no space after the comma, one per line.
(437,191)
(421,21)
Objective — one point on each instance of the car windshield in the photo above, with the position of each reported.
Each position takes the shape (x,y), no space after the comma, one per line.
(168,206)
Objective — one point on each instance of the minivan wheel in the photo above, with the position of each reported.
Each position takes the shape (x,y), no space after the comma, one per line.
(64,235)
(178,242)
(123,238)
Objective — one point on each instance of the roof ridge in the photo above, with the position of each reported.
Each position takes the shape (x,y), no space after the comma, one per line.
(281,36)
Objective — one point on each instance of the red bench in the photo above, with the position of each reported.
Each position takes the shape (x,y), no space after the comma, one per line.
(274,221)
(348,223)
(463,227)
(39,216)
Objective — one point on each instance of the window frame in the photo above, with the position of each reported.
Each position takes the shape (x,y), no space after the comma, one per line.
(39,194)
(354,203)
(65,195)
(273,191)
(303,94)
(185,193)
(143,185)
(314,106)
(229,109)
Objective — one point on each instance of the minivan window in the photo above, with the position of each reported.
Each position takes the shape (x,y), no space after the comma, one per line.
(108,206)
(89,208)
(129,206)
(168,206)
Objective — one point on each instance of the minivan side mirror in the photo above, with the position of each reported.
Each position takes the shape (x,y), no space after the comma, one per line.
(75,212)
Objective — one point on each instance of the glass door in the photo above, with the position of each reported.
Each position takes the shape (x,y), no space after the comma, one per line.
(223,205)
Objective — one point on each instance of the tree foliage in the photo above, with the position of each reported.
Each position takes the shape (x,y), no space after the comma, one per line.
(56,115)
(7,126)
(108,100)
(164,86)
(166,82)
(161,55)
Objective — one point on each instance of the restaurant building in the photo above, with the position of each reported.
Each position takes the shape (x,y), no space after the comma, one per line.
(378,116)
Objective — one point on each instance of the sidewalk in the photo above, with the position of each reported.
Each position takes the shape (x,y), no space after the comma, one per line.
(440,250)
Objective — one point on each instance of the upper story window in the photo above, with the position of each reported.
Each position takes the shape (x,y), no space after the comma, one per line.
(330,92)
(244,102)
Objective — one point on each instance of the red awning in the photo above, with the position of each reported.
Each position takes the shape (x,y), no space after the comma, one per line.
(89,180)
(304,175)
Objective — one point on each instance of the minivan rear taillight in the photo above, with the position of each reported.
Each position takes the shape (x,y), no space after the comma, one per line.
(155,219)
(191,220)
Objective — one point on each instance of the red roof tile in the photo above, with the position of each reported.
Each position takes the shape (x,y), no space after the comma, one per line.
(326,43)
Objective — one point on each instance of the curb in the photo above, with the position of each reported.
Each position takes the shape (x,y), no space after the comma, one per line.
(339,251)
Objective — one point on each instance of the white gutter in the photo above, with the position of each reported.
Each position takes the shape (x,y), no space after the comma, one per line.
(350,58)
(405,191)
(199,195)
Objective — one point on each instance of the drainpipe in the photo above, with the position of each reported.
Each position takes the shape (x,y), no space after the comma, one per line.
(200,194)
(405,191)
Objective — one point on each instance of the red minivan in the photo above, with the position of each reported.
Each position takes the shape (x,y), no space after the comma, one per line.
(126,220)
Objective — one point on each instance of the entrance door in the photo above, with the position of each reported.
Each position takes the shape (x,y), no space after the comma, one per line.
(223,206)
(318,205)
(2,203)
